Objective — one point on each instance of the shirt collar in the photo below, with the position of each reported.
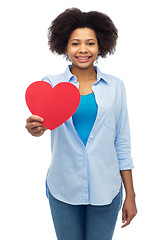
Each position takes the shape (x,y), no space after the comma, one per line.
(100,76)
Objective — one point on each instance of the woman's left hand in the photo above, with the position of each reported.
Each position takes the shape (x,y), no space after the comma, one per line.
(129,210)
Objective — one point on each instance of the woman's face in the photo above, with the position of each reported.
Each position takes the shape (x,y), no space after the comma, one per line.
(82,47)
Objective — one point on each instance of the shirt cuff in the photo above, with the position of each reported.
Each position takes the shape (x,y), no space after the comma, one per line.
(126,164)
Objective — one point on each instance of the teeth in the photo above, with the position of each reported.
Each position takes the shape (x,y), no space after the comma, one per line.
(82,58)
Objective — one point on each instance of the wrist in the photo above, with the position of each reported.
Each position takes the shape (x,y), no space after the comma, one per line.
(131,195)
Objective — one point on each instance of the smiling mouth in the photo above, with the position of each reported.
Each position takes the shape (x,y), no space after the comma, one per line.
(83,58)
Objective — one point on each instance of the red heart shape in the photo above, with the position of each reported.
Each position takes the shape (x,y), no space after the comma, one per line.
(55,105)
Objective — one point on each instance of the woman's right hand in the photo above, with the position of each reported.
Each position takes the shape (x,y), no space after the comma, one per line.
(34,126)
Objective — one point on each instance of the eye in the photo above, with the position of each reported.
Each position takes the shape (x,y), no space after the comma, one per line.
(74,44)
(91,43)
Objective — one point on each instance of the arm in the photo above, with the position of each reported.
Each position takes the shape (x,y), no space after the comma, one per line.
(123,150)
(128,183)
(129,209)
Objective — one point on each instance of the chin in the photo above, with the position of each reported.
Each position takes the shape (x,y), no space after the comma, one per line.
(83,65)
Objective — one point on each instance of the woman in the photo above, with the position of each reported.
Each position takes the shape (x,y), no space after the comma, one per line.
(91,150)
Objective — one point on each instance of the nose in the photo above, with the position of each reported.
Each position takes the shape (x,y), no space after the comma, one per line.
(83,49)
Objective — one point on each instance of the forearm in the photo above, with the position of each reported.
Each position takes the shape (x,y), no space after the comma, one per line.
(128,182)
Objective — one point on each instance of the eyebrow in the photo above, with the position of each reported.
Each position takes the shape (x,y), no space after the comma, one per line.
(80,40)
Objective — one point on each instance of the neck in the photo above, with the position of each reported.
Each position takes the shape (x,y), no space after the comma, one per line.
(84,75)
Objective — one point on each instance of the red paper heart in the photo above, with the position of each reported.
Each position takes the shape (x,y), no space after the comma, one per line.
(55,105)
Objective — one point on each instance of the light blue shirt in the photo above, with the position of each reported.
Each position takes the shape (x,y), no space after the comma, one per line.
(90,174)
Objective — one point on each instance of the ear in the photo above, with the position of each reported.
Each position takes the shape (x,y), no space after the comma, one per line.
(66,53)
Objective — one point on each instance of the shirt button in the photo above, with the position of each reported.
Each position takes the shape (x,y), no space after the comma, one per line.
(98,118)
(91,136)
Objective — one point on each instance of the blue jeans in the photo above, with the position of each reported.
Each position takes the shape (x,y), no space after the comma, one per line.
(84,222)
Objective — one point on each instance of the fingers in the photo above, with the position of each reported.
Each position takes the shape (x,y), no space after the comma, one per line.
(129,211)
(36,131)
(31,125)
(124,218)
(127,218)
(34,118)
(127,222)
(34,125)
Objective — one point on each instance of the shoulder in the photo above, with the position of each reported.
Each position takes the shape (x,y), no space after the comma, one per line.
(114,82)
(110,79)
(113,79)
(54,79)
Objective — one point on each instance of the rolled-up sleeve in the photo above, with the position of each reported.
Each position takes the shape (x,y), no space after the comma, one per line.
(122,139)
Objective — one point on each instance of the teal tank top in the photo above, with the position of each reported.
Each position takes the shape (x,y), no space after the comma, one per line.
(85,116)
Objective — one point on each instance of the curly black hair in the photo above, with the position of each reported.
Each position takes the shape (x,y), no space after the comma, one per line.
(72,18)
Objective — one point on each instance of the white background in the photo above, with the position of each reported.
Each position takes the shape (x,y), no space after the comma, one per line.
(24,160)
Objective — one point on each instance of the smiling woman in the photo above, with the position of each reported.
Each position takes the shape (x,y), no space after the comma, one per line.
(91,151)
